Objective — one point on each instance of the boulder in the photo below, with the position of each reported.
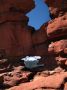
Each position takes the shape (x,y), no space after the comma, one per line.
(57,27)
(53,81)
(58,47)
(15,77)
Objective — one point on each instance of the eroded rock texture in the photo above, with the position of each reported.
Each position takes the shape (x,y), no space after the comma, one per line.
(57,8)
(16,37)
(18,40)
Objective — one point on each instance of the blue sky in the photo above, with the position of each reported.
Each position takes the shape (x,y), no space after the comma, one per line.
(39,15)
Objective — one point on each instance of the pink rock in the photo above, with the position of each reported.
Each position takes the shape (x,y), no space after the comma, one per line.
(61,60)
(53,81)
(16,77)
(57,27)
(65,87)
(58,46)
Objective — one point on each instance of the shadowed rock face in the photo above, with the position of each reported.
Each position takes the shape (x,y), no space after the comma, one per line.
(16,37)
(19,39)
(23,6)
(57,8)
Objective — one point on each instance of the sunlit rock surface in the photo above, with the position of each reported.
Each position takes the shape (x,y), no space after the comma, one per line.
(58,26)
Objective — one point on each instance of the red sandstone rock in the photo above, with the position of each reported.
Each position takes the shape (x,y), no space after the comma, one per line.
(57,8)
(18,39)
(13,17)
(53,81)
(14,35)
(39,37)
(15,77)
(41,49)
(1,80)
(57,27)
(24,6)
(17,5)
(53,3)
(61,60)
(58,46)
(44,89)
(65,87)
(65,50)
(4,6)
(4,65)
(24,41)
(15,40)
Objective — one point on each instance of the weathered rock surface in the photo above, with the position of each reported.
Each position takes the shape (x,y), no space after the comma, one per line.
(61,60)
(53,81)
(65,88)
(14,27)
(57,27)
(12,39)
(14,77)
(18,39)
(57,8)
(16,5)
(58,46)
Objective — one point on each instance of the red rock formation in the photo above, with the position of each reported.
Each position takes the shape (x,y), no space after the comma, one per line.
(16,5)
(57,8)
(39,37)
(40,45)
(15,39)
(58,46)
(65,88)
(16,76)
(19,39)
(14,35)
(61,61)
(53,81)
(57,27)
(13,17)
